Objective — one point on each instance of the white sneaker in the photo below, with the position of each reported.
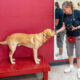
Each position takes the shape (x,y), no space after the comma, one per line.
(59,57)
(78,74)
(57,54)
(69,70)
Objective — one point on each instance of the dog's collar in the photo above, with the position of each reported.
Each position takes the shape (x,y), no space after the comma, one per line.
(44,36)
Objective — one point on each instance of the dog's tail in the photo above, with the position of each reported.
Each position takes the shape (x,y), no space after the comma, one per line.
(3,42)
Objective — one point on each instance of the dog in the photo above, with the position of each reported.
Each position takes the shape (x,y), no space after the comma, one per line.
(34,41)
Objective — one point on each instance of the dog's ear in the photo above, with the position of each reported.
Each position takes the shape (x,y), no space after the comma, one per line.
(47,33)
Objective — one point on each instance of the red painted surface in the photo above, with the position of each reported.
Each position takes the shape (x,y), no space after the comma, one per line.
(26,16)
(45,77)
(23,66)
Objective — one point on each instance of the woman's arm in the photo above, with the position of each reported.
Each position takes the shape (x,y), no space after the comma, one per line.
(61,29)
(56,22)
(75,28)
(78,27)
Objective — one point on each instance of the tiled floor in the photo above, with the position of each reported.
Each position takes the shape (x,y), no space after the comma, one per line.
(56,73)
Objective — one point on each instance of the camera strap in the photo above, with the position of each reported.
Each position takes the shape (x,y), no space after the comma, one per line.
(72,18)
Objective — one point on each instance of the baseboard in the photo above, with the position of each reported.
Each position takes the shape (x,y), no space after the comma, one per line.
(60,63)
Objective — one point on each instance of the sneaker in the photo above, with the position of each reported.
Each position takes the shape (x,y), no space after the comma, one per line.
(69,70)
(78,74)
(57,54)
(59,57)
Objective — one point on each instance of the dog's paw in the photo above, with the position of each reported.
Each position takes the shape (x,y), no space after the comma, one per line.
(39,60)
(12,62)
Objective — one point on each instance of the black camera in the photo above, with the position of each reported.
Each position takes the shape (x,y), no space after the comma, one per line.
(69,27)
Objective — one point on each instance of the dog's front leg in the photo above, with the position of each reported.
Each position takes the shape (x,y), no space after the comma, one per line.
(36,56)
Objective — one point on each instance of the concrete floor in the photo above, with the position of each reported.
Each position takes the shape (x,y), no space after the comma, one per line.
(56,73)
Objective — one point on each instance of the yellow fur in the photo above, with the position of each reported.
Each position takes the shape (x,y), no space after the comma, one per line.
(29,40)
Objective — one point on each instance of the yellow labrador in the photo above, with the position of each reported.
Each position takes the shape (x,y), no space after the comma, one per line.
(33,41)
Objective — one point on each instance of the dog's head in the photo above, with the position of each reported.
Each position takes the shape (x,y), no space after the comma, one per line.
(49,33)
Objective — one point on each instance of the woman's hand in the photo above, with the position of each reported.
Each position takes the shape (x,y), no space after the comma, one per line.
(61,29)
(56,32)
(74,28)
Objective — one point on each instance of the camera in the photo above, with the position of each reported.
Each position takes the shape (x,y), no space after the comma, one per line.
(74,23)
(69,27)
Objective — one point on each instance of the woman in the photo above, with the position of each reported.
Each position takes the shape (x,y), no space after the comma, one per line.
(58,24)
(71,22)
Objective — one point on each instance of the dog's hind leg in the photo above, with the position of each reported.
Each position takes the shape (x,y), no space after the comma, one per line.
(10,56)
(12,50)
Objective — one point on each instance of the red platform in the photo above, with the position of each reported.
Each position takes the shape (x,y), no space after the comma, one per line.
(23,66)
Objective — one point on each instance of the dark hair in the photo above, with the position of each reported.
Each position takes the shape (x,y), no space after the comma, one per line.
(57,5)
(67,4)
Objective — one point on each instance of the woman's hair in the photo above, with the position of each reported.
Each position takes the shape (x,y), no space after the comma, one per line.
(57,5)
(68,4)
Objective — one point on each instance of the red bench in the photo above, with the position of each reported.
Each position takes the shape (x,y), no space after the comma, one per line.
(23,66)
